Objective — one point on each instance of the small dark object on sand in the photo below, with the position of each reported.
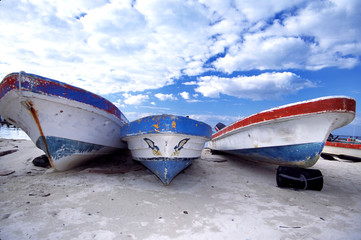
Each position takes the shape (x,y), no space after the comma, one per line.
(41,161)
(6,172)
(7,152)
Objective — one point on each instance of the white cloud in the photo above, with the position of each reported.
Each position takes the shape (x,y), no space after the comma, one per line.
(164,97)
(132,116)
(307,37)
(185,95)
(264,86)
(113,46)
(190,83)
(212,120)
(262,53)
(135,99)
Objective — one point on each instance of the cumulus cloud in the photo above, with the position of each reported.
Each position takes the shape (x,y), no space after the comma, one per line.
(301,35)
(212,120)
(134,99)
(264,86)
(122,46)
(185,95)
(164,97)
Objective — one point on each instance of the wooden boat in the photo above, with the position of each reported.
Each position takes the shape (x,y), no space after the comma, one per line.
(292,135)
(69,124)
(166,144)
(346,148)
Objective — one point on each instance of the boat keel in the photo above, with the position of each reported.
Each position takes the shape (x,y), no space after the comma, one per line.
(166,169)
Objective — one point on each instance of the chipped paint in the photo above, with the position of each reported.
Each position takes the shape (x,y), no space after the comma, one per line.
(37,84)
(301,155)
(335,104)
(60,148)
(167,123)
(179,141)
(291,135)
(165,173)
(166,169)
(34,92)
(34,113)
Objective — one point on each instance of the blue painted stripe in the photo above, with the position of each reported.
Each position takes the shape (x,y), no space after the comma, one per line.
(301,155)
(165,124)
(166,169)
(62,147)
(55,88)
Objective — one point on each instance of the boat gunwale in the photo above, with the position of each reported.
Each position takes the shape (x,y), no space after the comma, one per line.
(133,128)
(61,90)
(75,105)
(286,112)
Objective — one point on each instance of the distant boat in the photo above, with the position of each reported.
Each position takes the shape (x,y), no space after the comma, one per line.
(292,135)
(69,124)
(346,148)
(166,144)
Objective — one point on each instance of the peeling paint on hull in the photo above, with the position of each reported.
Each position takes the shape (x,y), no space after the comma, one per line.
(166,168)
(166,144)
(300,155)
(67,153)
(291,135)
(69,124)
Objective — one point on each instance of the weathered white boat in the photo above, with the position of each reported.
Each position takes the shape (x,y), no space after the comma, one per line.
(166,144)
(69,124)
(344,148)
(292,135)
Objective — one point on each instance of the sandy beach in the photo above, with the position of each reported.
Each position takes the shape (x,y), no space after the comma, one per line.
(217,197)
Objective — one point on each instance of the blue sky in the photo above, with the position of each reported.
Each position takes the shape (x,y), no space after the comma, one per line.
(212,60)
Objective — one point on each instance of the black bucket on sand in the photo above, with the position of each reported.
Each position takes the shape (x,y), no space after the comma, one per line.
(299,178)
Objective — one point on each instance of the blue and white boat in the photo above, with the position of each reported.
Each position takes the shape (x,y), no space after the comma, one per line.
(166,144)
(71,125)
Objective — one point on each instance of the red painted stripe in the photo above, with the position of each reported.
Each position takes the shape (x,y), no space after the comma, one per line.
(337,104)
(344,145)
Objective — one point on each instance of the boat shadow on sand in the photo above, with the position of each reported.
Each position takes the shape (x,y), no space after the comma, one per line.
(252,168)
(119,162)
(285,177)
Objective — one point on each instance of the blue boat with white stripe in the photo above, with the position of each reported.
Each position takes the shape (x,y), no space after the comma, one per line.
(166,144)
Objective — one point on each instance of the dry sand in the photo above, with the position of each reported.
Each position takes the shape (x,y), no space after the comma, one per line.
(217,197)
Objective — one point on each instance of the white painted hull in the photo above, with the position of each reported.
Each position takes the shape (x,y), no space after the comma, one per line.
(291,141)
(166,143)
(68,123)
(166,154)
(280,132)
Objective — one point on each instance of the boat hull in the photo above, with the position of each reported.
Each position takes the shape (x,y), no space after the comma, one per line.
(70,132)
(165,162)
(164,143)
(297,155)
(343,149)
(294,140)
